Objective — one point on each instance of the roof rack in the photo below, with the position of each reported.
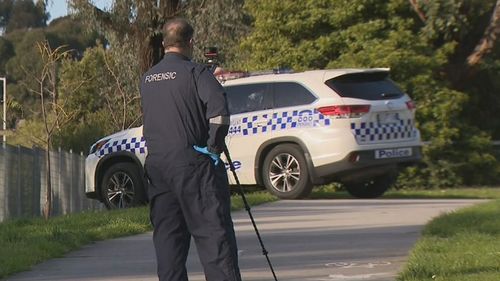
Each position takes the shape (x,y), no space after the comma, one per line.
(223,75)
(278,70)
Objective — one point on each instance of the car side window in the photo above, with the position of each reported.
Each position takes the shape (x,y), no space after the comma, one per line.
(291,94)
(248,98)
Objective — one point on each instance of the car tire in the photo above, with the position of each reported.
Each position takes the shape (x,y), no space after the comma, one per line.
(371,188)
(122,186)
(285,174)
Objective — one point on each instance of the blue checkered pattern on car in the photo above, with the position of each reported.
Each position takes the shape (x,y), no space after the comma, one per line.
(135,145)
(373,132)
(264,123)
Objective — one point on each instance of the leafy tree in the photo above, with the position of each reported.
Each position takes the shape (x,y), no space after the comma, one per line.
(5,9)
(6,51)
(65,31)
(220,23)
(22,14)
(472,68)
(61,32)
(473,27)
(139,22)
(132,30)
(26,59)
(106,102)
(421,45)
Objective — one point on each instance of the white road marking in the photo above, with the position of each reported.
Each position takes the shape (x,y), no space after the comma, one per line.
(336,277)
(357,264)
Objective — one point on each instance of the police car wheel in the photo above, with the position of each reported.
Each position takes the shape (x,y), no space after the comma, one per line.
(122,186)
(285,172)
(372,188)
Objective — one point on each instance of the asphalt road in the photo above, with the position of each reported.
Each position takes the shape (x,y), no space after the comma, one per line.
(308,240)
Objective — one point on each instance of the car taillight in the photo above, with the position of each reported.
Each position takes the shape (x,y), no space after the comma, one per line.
(345,111)
(411,105)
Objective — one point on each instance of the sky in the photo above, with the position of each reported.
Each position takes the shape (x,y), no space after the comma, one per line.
(59,8)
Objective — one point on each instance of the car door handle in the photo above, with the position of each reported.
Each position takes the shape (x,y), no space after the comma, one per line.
(261,123)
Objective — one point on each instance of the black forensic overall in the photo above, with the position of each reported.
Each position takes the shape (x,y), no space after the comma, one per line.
(189,194)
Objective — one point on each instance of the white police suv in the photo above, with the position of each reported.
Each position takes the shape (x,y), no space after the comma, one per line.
(288,133)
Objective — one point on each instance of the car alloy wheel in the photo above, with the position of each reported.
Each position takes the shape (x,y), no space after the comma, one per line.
(284,172)
(120,190)
(122,186)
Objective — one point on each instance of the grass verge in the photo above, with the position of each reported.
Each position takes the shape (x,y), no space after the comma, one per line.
(25,242)
(331,192)
(461,246)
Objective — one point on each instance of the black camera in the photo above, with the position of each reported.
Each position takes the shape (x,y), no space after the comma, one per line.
(212,56)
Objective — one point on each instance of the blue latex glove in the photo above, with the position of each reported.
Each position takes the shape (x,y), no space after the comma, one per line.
(205,151)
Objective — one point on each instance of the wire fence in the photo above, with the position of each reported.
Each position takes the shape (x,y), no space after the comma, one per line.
(23,182)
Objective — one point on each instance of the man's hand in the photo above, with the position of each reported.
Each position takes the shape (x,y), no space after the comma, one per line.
(205,151)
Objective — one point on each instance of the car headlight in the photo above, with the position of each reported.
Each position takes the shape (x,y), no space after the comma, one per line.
(98,145)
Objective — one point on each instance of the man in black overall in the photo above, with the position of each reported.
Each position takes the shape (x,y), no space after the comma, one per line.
(185,123)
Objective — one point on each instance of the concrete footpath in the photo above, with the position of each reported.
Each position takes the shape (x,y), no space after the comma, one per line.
(308,240)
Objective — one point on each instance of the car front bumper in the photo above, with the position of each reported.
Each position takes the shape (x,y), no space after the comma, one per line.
(90,169)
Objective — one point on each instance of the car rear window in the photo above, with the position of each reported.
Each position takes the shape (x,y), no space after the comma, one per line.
(291,94)
(367,86)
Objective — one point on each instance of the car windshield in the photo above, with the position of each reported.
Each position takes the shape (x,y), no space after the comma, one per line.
(367,86)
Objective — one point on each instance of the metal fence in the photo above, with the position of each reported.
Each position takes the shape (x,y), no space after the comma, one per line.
(23,187)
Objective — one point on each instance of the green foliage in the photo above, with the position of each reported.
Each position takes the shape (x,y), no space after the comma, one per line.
(219,23)
(122,88)
(79,136)
(22,61)
(102,89)
(364,33)
(29,133)
(21,68)
(88,77)
(22,14)
(5,9)
(456,20)
(67,32)
(108,96)
(7,51)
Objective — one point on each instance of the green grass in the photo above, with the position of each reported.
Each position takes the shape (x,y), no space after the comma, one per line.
(461,246)
(254,198)
(331,192)
(458,193)
(25,242)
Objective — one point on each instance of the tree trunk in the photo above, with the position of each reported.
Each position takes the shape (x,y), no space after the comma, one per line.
(418,10)
(150,51)
(47,208)
(460,75)
(488,40)
(150,45)
(55,94)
